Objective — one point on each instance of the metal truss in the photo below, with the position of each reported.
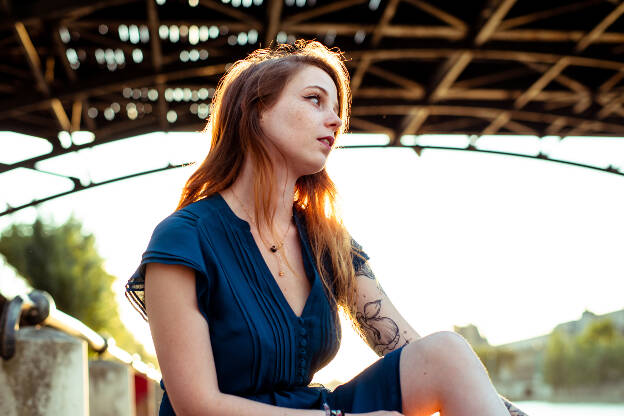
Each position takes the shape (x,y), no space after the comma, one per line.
(121,68)
(78,186)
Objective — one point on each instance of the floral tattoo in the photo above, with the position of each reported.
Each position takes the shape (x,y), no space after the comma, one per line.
(366,271)
(381,332)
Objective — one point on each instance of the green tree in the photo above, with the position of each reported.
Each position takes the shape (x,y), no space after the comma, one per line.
(557,360)
(495,359)
(63,261)
(600,331)
(594,357)
(602,347)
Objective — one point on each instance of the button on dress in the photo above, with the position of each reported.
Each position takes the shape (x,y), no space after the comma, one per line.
(262,350)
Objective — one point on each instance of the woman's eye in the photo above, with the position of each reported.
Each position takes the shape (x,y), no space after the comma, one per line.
(315,98)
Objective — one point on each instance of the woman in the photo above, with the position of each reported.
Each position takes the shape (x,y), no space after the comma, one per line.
(242,283)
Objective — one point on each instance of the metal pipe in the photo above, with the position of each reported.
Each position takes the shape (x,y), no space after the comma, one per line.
(9,325)
(38,308)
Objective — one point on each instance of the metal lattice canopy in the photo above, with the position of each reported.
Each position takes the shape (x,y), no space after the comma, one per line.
(121,68)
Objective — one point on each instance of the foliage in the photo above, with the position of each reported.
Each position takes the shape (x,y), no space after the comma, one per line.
(557,359)
(595,356)
(495,358)
(63,261)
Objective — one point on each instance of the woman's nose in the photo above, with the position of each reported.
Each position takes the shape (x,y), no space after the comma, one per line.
(334,120)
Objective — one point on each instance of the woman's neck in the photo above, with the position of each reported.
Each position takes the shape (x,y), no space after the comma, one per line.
(281,200)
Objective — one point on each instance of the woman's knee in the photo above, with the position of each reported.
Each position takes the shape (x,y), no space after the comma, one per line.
(427,365)
(445,343)
(440,349)
(438,358)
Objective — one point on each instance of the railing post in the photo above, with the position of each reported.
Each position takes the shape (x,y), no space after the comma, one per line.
(46,376)
(158,394)
(111,389)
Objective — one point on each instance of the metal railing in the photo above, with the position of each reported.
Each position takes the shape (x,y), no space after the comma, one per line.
(38,308)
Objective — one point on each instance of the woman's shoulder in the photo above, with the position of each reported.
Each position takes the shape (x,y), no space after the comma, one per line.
(184,233)
(194,212)
(208,217)
(186,220)
(203,207)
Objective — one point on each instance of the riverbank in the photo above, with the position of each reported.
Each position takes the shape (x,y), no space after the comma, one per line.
(539,408)
(613,393)
(540,391)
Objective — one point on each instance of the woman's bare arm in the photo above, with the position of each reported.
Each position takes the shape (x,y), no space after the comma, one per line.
(182,343)
(382,326)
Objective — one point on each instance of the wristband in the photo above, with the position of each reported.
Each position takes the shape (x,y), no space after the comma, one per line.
(329,412)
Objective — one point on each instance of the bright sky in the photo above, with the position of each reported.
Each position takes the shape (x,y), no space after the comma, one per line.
(512,245)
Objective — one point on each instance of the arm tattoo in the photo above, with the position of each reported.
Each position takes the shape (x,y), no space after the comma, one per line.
(381,332)
(513,410)
(367,272)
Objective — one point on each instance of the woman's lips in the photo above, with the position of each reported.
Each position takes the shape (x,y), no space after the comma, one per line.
(327,140)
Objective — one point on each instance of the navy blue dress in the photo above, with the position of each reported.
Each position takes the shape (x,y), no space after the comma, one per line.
(262,350)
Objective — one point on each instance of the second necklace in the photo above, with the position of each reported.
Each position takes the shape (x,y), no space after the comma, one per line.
(275,247)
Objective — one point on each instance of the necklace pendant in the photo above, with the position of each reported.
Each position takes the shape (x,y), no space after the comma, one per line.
(281,273)
(273,249)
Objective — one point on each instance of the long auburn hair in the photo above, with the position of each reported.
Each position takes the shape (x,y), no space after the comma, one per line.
(249,86)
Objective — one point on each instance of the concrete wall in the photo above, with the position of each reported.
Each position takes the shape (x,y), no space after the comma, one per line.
(111,389)
(158,395)
(47,375)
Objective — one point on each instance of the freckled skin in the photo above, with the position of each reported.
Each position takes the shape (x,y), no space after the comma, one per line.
(301,115)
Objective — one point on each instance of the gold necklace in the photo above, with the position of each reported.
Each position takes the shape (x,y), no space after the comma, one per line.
(274,248)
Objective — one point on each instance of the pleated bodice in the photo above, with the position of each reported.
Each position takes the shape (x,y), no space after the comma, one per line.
(260,346)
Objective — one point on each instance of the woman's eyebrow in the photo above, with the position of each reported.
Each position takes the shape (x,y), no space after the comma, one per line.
(324,92)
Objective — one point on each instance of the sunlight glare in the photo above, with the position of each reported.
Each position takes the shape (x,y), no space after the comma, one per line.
(444,140)
(351,139)
(526,145)
(25,185)
(16,147)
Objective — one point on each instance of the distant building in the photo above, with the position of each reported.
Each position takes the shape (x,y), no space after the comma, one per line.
(576,327)
(522,377)
(472,335)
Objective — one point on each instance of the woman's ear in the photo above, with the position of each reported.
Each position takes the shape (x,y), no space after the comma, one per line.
(260,107)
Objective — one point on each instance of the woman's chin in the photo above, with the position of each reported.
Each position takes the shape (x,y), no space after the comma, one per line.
(311,168)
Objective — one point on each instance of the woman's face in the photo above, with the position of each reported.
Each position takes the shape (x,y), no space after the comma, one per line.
(303,122)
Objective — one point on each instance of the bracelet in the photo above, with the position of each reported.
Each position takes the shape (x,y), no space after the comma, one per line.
(329,412)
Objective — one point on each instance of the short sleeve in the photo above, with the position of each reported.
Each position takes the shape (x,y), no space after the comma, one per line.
(174,241)
(358,255)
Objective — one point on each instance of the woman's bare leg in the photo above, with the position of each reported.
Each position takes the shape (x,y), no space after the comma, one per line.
(440,372)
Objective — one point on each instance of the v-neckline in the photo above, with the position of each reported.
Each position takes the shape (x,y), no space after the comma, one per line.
(267,271)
